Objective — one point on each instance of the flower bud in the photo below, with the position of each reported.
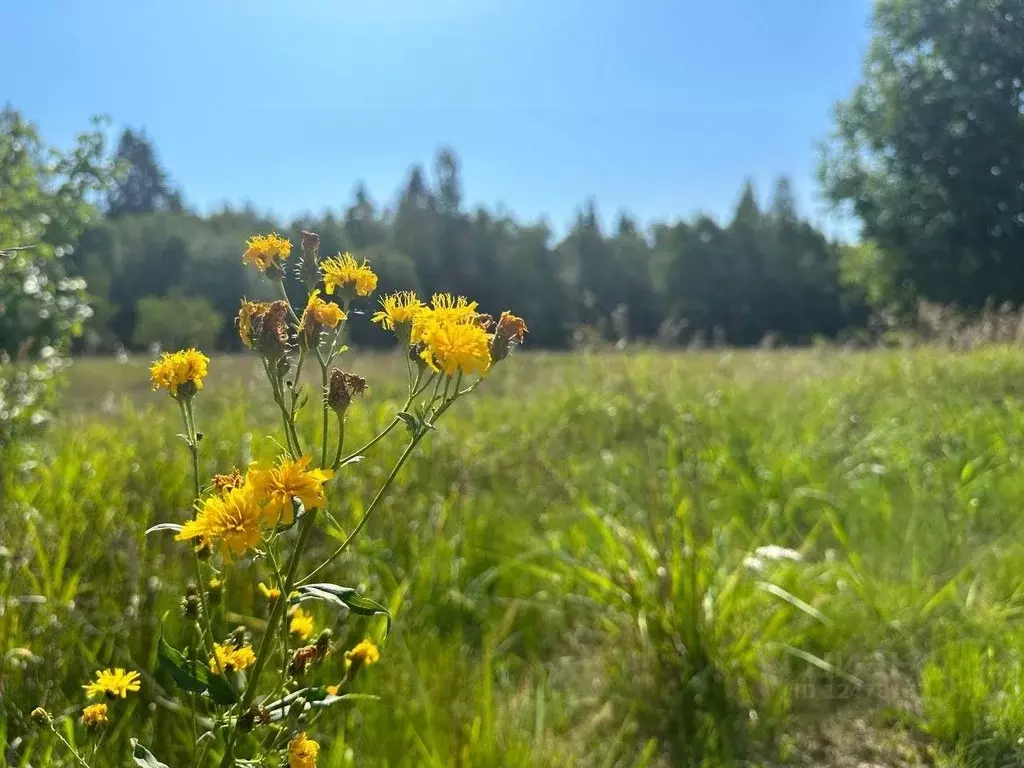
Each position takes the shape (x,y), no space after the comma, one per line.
(309,264)
(342,388)
(215,591)
(192,607)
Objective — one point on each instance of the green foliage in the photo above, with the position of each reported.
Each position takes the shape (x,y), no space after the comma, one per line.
(585,569)
(45,205)
(929,149)
(176,322)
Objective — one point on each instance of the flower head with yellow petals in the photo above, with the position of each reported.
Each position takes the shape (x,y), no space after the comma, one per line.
(289,478)
(301,624)
(398,313)
(113,683)
(365,653)
(302,752)
(318,316)
(180,373)
(233,520)
(228,658)
(266,251)
(453,347)
(94,715)
(345,273)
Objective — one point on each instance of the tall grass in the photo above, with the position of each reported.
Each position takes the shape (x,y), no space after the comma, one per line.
(641,559)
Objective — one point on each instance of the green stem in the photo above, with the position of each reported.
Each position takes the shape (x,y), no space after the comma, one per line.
(266,644)
(341,442)
(369,511)
(67,744)
(193,444)
(326,409)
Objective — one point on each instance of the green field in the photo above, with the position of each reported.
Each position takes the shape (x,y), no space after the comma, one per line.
(573,561)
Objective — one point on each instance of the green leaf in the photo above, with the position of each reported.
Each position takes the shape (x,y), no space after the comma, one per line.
(143,757)
(364,606)
(221,691)
(187,676)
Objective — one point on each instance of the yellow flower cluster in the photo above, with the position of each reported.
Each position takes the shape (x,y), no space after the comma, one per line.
(265,251)
(228,658)
(454,336)
(113,683)
(236,518)
(180,373)
(302,752)
(344,272)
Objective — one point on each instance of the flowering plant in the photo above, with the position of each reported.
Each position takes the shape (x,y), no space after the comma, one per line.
(246,687)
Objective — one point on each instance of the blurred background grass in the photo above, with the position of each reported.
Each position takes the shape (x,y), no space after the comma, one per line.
(603,560)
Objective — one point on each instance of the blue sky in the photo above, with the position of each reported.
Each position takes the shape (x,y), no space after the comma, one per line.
(660,107)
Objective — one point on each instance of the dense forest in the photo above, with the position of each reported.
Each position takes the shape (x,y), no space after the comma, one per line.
(927,154)
(150,263)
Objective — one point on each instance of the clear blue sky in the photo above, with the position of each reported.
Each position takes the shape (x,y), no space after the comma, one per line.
(661,107)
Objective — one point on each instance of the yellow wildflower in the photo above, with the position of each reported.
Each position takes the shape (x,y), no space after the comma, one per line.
(398,313)
(233,519)
(113,683)
(344,272)
(271,593)
(301,624)
(332,690)
(180,372)
(94,715)
(444,309)
(228,658)
(318,315)
(302,752)
(364,654)
(265,251)
(451,347)
(287,479)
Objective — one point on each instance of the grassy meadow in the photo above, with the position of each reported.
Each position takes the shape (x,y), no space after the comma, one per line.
(610,559)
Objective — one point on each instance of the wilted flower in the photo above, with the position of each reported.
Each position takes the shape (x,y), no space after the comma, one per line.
(94,715)
(224,483)
(342,388)
(113,683)
(343,272)
(509,331)
(180,373)
(266,251)
(263,326)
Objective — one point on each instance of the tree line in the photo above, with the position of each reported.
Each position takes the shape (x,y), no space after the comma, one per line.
(160,273)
